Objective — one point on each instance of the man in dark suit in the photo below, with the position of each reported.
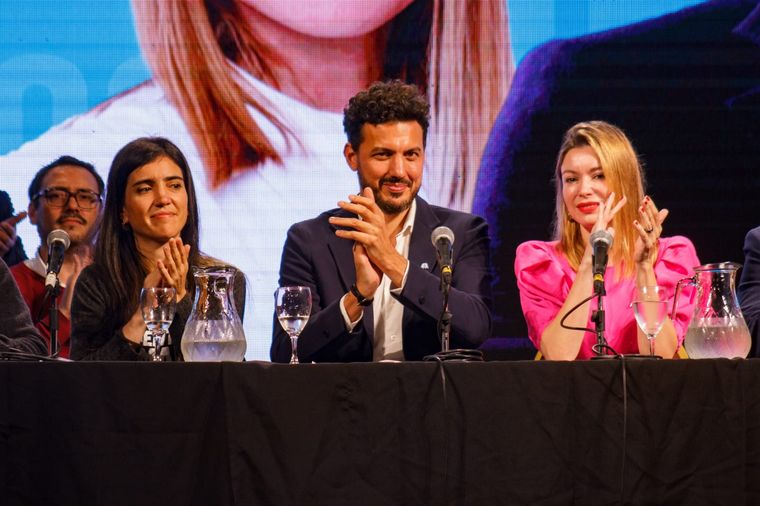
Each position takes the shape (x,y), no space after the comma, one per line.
(749,287)
(370,264)
(684,87)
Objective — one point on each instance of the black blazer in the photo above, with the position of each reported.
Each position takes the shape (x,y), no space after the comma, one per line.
(684,87)
(313,256)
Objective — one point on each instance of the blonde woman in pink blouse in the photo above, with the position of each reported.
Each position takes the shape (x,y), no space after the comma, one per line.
(599,186)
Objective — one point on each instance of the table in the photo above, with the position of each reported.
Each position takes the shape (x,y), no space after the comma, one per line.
(595,432)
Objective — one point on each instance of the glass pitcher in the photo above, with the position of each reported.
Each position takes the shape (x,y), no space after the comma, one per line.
(717,328)
(213,332)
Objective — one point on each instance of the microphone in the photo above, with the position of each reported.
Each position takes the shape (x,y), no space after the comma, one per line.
(443,238)
(58,242)
(601,242)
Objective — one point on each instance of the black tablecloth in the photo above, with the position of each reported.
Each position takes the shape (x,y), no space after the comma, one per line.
(598,432)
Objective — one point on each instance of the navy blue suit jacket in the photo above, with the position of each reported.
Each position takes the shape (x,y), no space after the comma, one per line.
(313,256)
(685,87)
(749,287)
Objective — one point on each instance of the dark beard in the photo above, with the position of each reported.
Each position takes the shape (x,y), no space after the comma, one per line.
(390,208)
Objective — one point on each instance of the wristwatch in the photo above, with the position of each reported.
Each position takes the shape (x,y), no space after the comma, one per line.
(361,299)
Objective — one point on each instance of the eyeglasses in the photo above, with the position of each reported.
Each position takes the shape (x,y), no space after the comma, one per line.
(59,197)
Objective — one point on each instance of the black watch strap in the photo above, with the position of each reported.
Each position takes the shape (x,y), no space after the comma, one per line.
(363,301)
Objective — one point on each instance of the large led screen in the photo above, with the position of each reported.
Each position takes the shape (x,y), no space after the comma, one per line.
(252,92)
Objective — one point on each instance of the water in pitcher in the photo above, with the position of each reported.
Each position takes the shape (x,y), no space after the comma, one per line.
(717,328)
(226,344)
(717,339)
(213,332)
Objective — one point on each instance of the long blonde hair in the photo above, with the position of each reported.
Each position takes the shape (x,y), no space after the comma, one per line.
(624,176)
(466,69)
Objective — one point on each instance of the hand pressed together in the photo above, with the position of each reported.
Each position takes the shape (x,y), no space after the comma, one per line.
(171,271)
(649,226)
(375,249)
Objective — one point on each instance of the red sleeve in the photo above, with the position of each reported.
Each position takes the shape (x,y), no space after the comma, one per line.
(22,274)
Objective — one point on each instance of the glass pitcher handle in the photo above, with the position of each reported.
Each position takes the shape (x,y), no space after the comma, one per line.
(684,281)
(220,288)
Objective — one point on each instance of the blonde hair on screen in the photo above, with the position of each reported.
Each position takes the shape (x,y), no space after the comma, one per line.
(466,69)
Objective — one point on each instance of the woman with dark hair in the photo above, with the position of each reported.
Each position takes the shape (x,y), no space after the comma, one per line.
(148,238)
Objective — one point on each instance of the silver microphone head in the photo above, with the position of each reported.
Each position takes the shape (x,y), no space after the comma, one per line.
(59,235)
(441,232)
(601,236)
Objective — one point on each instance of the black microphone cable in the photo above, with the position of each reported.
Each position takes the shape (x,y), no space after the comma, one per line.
(597,348)
(13,354)
(447,400)
(624,451)
(8,352)
(458,355)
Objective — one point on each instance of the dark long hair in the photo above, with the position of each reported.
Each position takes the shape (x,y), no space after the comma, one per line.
(116,255)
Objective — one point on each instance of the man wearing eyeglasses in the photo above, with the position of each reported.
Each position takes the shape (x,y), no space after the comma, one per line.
(65,194)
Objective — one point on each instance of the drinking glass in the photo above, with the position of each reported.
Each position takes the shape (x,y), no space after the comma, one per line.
(158,305)
(293,307)
(650,309)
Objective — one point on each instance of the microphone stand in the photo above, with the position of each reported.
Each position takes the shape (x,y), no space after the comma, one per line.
(598,317)
(54,292)
(444,323)
(444,329)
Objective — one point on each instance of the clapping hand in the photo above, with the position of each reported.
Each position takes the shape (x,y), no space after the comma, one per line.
(8,232)
(171,271)
(649,226)
(374,250)
(605,213)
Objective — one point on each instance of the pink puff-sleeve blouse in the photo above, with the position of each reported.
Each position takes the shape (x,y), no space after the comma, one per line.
(544,278)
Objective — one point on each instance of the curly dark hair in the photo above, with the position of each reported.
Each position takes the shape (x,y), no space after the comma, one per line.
(383,103)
